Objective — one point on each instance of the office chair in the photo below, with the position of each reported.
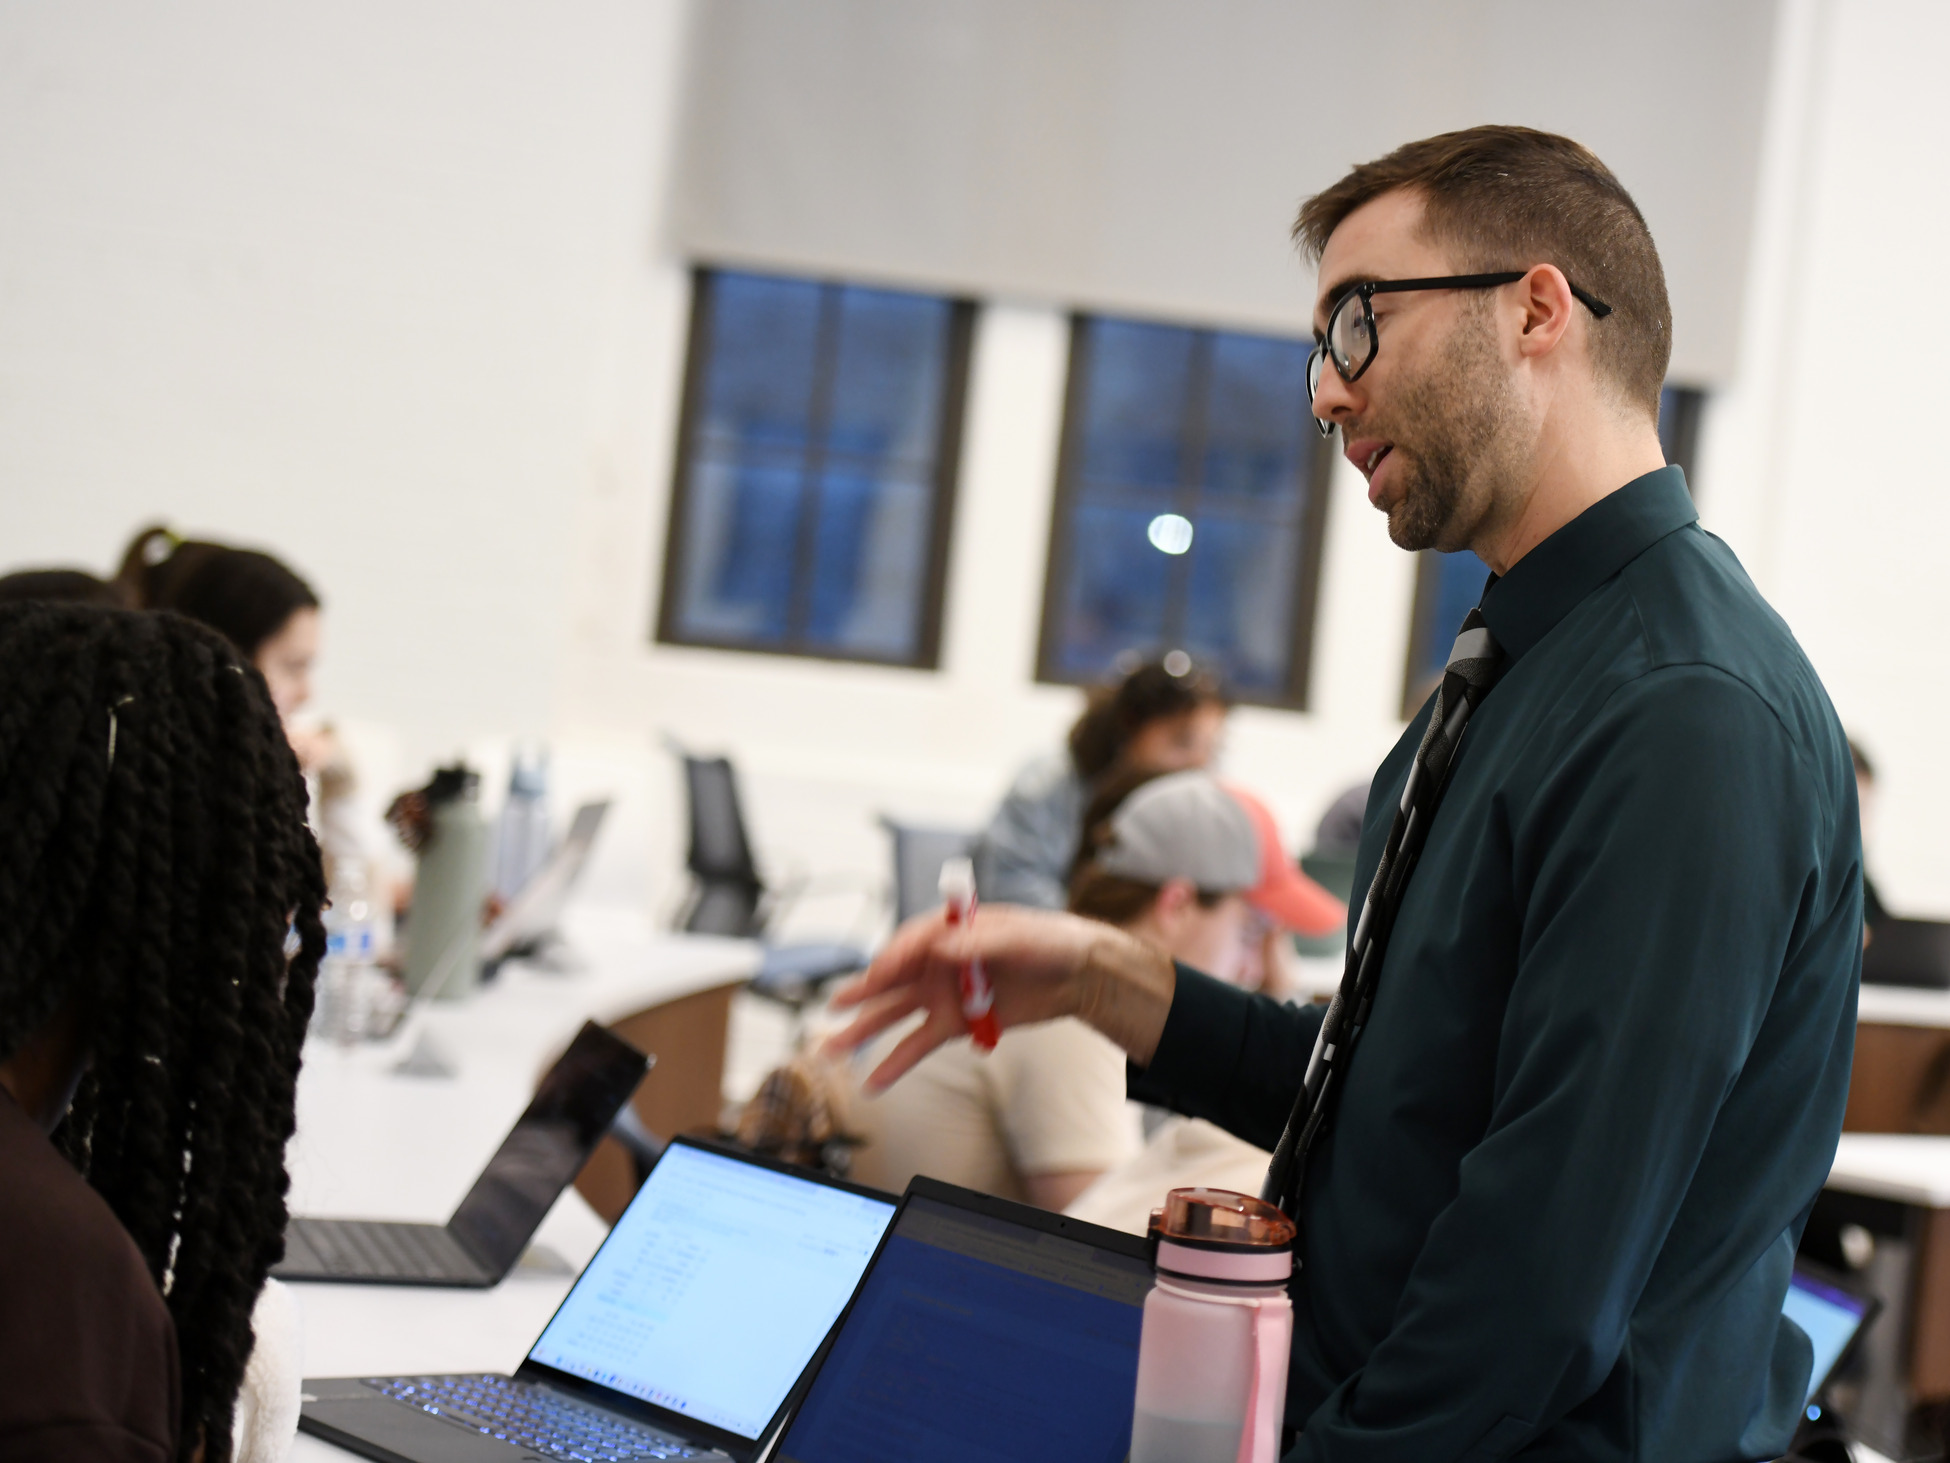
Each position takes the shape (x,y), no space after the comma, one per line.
(729,897)
(919,853)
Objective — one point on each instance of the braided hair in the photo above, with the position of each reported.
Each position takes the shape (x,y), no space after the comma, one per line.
(156,869)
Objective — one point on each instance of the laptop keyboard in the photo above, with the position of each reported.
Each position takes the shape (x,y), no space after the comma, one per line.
(533,1417)
(361,1247)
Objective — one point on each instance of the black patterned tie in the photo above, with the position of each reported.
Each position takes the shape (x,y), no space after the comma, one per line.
(1473,667)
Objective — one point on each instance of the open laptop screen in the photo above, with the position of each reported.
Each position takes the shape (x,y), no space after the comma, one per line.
(975,1339)
(715,1288)
(1830,1316)
(548,1146)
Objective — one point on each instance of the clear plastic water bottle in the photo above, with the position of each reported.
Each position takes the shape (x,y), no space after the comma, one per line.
(348,973)
(522,840)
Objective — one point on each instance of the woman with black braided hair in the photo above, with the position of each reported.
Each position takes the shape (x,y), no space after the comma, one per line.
(159,938)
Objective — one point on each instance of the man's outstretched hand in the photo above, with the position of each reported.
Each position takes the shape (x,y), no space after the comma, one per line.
(1043,966)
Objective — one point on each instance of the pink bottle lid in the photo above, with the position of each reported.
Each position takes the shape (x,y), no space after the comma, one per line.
(1215,1234)
(1219,1216)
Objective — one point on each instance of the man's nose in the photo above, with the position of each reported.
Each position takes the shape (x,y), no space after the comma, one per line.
(1334,399)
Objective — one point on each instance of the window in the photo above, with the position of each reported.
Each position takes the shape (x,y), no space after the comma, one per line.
(815,470)
(1680,409)
(1447,586)
(1190,502)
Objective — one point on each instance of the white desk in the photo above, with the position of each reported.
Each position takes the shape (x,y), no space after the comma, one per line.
(372,1144)
(1894,1005)
(1906,1167)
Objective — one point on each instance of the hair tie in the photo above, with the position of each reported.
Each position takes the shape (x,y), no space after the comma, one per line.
(113,725)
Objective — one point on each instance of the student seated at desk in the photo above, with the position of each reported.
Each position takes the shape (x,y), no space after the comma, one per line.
(159,939)
(272,615)
(1165,716)
(1043,1116)
(1182,1151)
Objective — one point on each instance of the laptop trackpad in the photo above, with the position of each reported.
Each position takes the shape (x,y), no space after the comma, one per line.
(405,1433)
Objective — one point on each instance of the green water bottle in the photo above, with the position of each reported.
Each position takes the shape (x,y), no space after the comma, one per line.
(443,934)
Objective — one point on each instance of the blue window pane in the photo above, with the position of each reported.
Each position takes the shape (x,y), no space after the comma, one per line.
(1185,509)
(814,457)
(744,518)
(1457,585)
(1116,593)
(887,383)
(1239,612)
(1139,385)
(868,560)
(764,342)
(1257,426)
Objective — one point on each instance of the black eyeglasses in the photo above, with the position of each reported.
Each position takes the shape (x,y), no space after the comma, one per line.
(1350,337)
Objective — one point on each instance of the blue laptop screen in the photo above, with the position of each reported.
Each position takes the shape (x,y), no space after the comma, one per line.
(975,1340)
(715,1288)
(1831,1318)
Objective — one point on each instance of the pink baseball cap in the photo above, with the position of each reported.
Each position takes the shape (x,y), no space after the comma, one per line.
(1283,892)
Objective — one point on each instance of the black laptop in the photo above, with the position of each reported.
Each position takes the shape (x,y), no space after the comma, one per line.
(690,1335)
(1912,952)
(984,1330)
(540,1157)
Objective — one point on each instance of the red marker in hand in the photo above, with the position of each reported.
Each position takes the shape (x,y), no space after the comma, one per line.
(977,995)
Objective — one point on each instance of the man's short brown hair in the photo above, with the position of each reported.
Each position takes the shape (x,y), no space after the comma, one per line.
(1511,198)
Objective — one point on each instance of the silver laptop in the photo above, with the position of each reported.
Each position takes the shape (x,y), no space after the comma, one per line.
(532,915)
(691,1334)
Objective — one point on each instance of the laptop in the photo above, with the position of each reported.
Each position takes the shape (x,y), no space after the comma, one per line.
(984,1330)
(1832,1314)
(690,1335)
(478,1246)
(531,916)
(1912,952)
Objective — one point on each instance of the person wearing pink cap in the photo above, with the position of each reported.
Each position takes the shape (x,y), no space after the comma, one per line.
(1165,858)
(1287,900)
(1182,861)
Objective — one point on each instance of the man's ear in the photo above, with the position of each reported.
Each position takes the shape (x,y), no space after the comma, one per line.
(1547,305)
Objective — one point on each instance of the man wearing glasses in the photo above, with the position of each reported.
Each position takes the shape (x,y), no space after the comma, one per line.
(1604,1000)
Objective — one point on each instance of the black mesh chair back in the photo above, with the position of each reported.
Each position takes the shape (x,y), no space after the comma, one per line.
(729,898)
(724,908)
(919,853)
(720,849)
(727,895)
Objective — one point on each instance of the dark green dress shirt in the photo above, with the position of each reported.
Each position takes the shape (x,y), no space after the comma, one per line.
(1556,1212)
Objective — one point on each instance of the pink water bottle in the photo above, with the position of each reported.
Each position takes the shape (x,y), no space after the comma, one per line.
(1211,1382)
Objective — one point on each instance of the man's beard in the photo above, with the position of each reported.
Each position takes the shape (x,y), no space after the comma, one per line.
(1458,417)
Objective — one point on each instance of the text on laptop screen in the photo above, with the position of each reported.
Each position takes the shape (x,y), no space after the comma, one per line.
(715,1288)
(975,1339)
(1831,1318)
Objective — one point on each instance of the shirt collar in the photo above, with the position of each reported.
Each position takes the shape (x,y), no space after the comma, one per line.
(1547,583)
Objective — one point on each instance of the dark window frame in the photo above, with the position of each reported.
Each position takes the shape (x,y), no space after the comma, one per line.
(944,482)
(1313,524)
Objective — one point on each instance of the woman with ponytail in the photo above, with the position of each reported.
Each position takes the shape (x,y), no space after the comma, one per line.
(1165,715)
(159,938)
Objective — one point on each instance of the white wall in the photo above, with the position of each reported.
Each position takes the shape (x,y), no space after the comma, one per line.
(1825,468)
(333,279)
(382,287)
